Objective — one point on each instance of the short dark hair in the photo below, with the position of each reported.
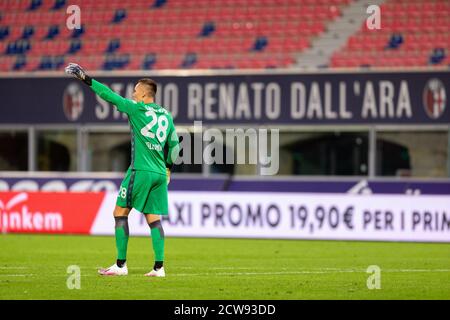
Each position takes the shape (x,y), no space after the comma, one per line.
(151,85)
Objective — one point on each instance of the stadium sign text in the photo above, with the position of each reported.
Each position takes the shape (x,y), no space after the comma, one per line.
(274,99)
(15,215)
(295,216)
(36,212)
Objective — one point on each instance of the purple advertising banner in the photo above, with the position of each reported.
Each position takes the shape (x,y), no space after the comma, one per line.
(223,183)
(409,98)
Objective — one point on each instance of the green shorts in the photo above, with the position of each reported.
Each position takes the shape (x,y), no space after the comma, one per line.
(145,191)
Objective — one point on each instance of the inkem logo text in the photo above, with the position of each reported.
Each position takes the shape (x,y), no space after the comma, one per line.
(15,216)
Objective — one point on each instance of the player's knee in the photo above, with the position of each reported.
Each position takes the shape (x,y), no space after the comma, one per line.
(121,212)
(155,224)
(152,218)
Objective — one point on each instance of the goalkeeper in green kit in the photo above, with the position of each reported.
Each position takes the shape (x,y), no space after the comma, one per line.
(154,148)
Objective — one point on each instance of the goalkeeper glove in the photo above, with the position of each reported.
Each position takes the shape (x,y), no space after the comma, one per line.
(75,70)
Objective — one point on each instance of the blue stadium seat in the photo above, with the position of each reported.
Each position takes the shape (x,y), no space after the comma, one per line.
(119,15)
(51,63)
(260,43)
(395,41)
(78,32)
(113,45)
(75,46)
(18,47)
(46,63)
(189,60)
(149,61)
(58,62)
(4,32)
(53,31)
(59,4)
(113,62)
(159,3)
(208,29)
(35,4)
(20,62)
(28,31)
(437,56)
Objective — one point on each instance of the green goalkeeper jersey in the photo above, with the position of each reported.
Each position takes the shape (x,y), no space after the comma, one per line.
(154,141)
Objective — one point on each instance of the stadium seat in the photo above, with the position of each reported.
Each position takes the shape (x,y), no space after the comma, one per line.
(167,34)
(18,47)
(149,61)
(59,4)
(28,31)
(78,32)
(75,46)
(423,26)
(53,31)
(4,32)
(437,56)
(51,62)
(189,60)
(208,29)
(114,62)
(119,15)
(159,3)
(35,4)
(260,43)
(113,46)
(19,63)
(395,41)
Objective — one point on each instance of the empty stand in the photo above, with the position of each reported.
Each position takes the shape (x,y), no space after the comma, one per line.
(208,33)
(423,25)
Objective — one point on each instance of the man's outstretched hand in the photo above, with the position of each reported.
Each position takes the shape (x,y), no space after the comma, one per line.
(76,71)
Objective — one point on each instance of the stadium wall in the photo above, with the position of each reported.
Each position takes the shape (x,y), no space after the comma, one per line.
(403,108)
(212,205)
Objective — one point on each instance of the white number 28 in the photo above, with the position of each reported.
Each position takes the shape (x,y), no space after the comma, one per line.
(163,125)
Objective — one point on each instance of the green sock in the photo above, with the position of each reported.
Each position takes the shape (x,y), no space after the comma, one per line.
(122,235)
(157,234)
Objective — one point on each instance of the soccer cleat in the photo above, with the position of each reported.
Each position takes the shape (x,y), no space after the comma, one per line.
(114,270)
(156,273)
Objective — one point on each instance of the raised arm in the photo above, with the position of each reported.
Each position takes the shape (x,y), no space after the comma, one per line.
(122,104)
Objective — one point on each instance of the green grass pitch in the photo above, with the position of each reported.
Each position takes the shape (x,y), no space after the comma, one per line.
(35,267)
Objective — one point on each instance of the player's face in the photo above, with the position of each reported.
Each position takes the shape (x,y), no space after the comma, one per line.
(139,93)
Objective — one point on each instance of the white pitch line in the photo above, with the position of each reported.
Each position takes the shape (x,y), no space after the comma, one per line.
(214,268)
(281,273)
(416,270)
(16,275)
(238,268)
(284,272)
(302,272)
(258,273)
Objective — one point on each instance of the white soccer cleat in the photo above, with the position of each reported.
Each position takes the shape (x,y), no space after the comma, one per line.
(114,270)
(156,273)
